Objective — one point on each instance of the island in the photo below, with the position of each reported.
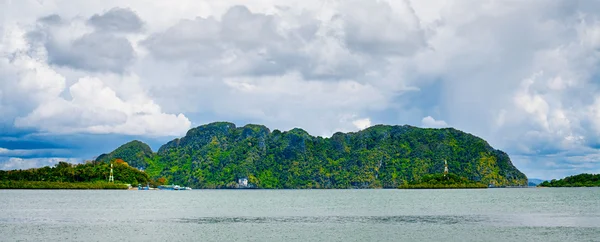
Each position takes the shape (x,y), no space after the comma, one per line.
(221,155)
(581,180)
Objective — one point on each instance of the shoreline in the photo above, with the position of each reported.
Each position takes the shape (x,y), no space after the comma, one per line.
(274,189)
(43,185)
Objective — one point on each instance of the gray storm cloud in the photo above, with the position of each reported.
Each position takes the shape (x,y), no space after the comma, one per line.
(522,75)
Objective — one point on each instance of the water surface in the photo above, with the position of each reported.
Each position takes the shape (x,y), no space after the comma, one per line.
(531,214)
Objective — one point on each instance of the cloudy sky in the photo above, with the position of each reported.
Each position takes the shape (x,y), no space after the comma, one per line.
(79,78)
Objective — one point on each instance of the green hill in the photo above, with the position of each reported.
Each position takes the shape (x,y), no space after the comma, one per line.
(217,154)
(135,153)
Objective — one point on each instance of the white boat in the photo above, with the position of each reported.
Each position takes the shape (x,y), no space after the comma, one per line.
(173,187)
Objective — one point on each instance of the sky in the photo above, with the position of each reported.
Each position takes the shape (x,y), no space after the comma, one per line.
(80,78)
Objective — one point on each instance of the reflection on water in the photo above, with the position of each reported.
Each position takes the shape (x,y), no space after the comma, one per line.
(569,214)
(337,219)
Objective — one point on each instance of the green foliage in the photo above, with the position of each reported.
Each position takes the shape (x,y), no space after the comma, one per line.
(155,182)
(137,154)
(59,185)
(217,154)
(581,180)
(434,181)
(154,166)
(81,173)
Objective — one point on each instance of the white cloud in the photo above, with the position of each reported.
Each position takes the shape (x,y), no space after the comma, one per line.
(532,103)
(362,123)
(392,31)
(39,80)
(22,164)
(520,75)
(430,122)
(98,44)
(95,108)
(288,101)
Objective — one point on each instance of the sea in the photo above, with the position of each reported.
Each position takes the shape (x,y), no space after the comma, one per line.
(500,214)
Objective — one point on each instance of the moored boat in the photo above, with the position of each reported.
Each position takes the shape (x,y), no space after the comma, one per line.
(173,187)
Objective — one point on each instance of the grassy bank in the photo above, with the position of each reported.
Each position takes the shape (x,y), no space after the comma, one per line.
(59,185)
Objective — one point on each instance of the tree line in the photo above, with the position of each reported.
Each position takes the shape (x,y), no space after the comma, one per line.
(581,180)
(88,172)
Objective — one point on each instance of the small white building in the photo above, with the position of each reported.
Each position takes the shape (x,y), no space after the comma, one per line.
(243,182)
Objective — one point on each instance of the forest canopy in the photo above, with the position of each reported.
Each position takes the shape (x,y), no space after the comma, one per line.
(216,155)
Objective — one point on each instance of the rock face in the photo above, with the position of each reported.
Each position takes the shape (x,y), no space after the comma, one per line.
(135,153)
(216,155)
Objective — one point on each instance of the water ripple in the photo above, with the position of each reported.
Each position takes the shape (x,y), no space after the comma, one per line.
(437,219)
